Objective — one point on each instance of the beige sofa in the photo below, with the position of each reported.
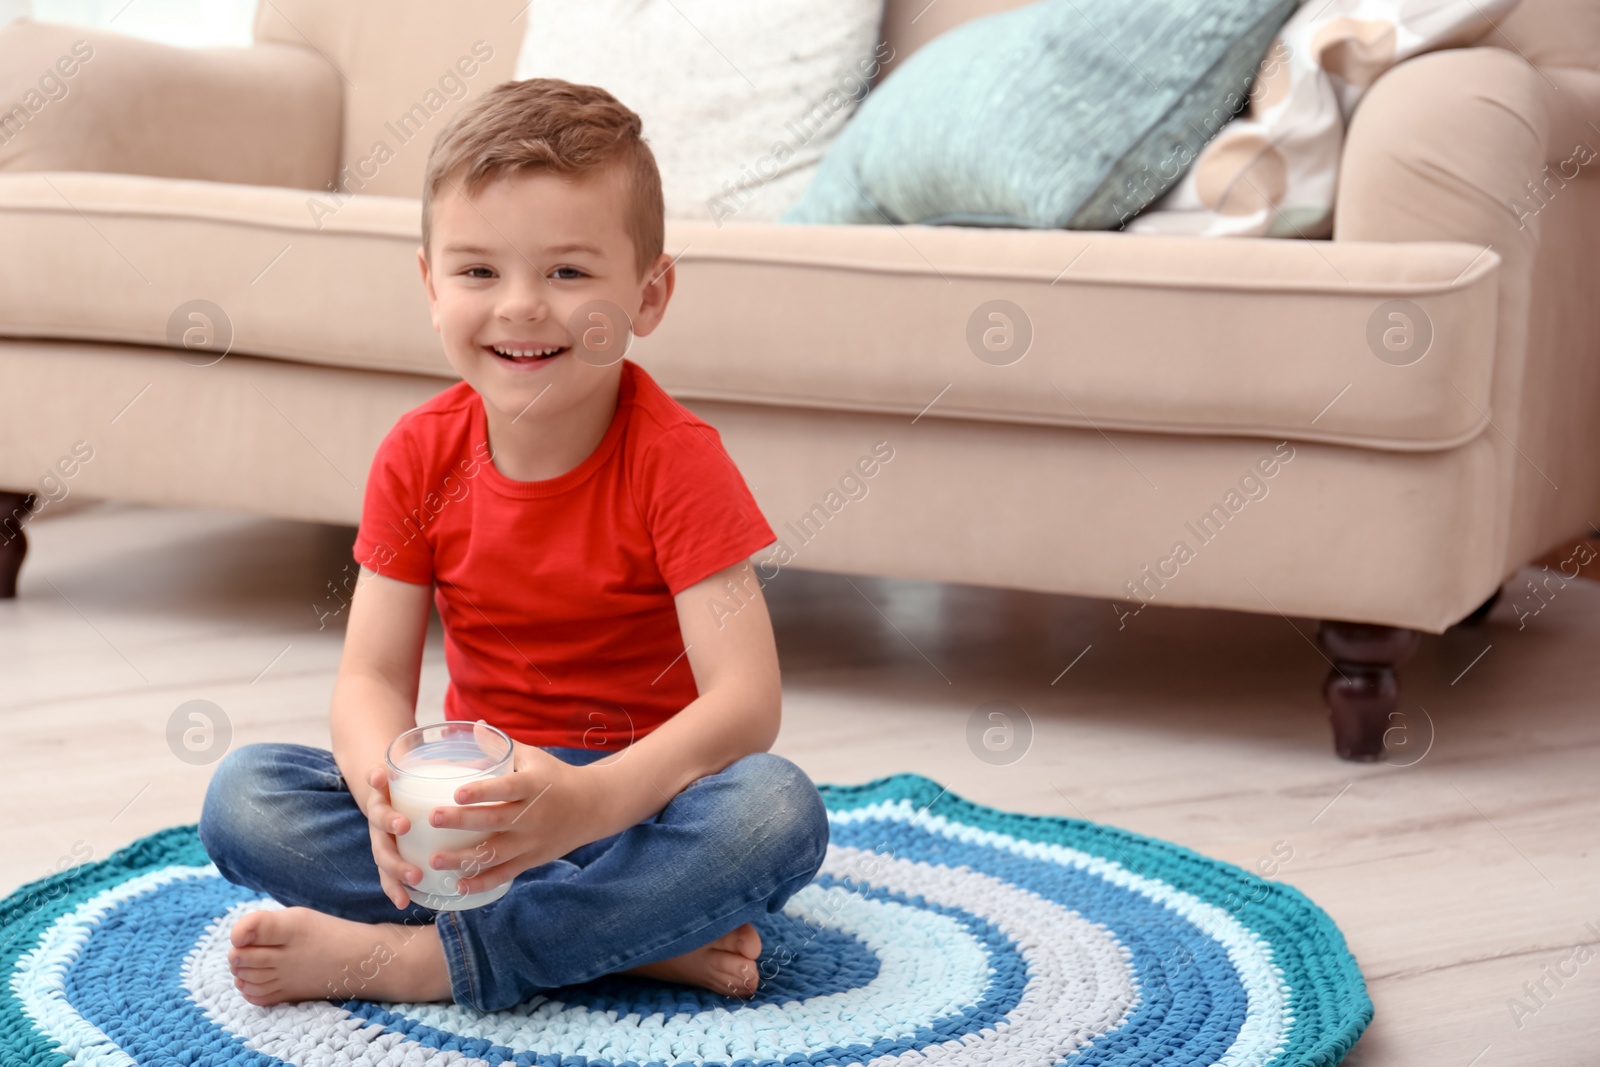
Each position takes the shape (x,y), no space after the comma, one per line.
(1164,374)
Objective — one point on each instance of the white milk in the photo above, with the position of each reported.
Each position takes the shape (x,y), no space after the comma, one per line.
(422,787)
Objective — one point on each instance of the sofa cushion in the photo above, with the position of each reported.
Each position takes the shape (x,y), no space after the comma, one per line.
(1251,337)
(1040,116)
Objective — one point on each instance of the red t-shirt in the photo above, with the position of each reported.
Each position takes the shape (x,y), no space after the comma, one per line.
(557,595)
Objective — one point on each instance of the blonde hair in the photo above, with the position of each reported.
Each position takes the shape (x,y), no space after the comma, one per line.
(549,124)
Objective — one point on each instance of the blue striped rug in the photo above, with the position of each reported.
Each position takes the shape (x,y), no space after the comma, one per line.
(938,931)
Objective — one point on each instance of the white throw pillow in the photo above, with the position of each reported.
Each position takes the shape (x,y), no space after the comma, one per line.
(1272,171)
(740,99)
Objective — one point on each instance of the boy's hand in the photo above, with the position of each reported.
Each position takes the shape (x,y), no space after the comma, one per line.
(384,823)
(549,808)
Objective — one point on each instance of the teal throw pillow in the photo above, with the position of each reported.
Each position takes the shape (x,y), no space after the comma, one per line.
(1068,114)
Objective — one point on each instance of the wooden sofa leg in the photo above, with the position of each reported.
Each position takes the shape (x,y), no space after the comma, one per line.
(14,507)
(1362,690)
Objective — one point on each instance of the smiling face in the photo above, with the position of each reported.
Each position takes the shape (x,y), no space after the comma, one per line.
(511,267)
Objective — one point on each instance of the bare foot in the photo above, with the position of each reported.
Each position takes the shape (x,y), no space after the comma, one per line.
(726,965)
(301,954)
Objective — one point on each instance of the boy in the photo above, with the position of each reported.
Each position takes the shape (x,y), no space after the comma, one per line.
(575,522)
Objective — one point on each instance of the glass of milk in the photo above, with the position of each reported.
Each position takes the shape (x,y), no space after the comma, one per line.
(426,765)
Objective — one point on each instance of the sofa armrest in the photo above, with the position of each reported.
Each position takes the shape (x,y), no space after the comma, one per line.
(1466,145)
(1477,145)
(1439,149)
(79,99)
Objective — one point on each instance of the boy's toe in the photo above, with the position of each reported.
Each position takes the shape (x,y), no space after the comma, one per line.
(244,930)
(746,942)
(261,928)
(737,975)
(250,959)
(261,994)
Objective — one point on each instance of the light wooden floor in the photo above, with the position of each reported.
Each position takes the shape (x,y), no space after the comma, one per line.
(1456,879)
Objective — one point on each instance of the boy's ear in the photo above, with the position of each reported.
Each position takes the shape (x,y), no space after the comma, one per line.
(659,282)
(427,284)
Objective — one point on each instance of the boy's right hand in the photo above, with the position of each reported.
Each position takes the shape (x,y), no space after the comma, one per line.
(383,822)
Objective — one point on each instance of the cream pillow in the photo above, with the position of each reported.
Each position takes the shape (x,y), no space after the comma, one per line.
(740,98)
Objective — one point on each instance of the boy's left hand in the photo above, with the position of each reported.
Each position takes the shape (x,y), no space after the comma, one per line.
(548,808)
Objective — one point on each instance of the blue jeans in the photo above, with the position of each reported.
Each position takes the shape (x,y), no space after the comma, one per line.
(730,847)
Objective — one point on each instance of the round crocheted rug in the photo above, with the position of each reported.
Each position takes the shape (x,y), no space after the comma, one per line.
(938,931)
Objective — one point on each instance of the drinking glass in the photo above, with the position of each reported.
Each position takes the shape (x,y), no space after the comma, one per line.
(426,765)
